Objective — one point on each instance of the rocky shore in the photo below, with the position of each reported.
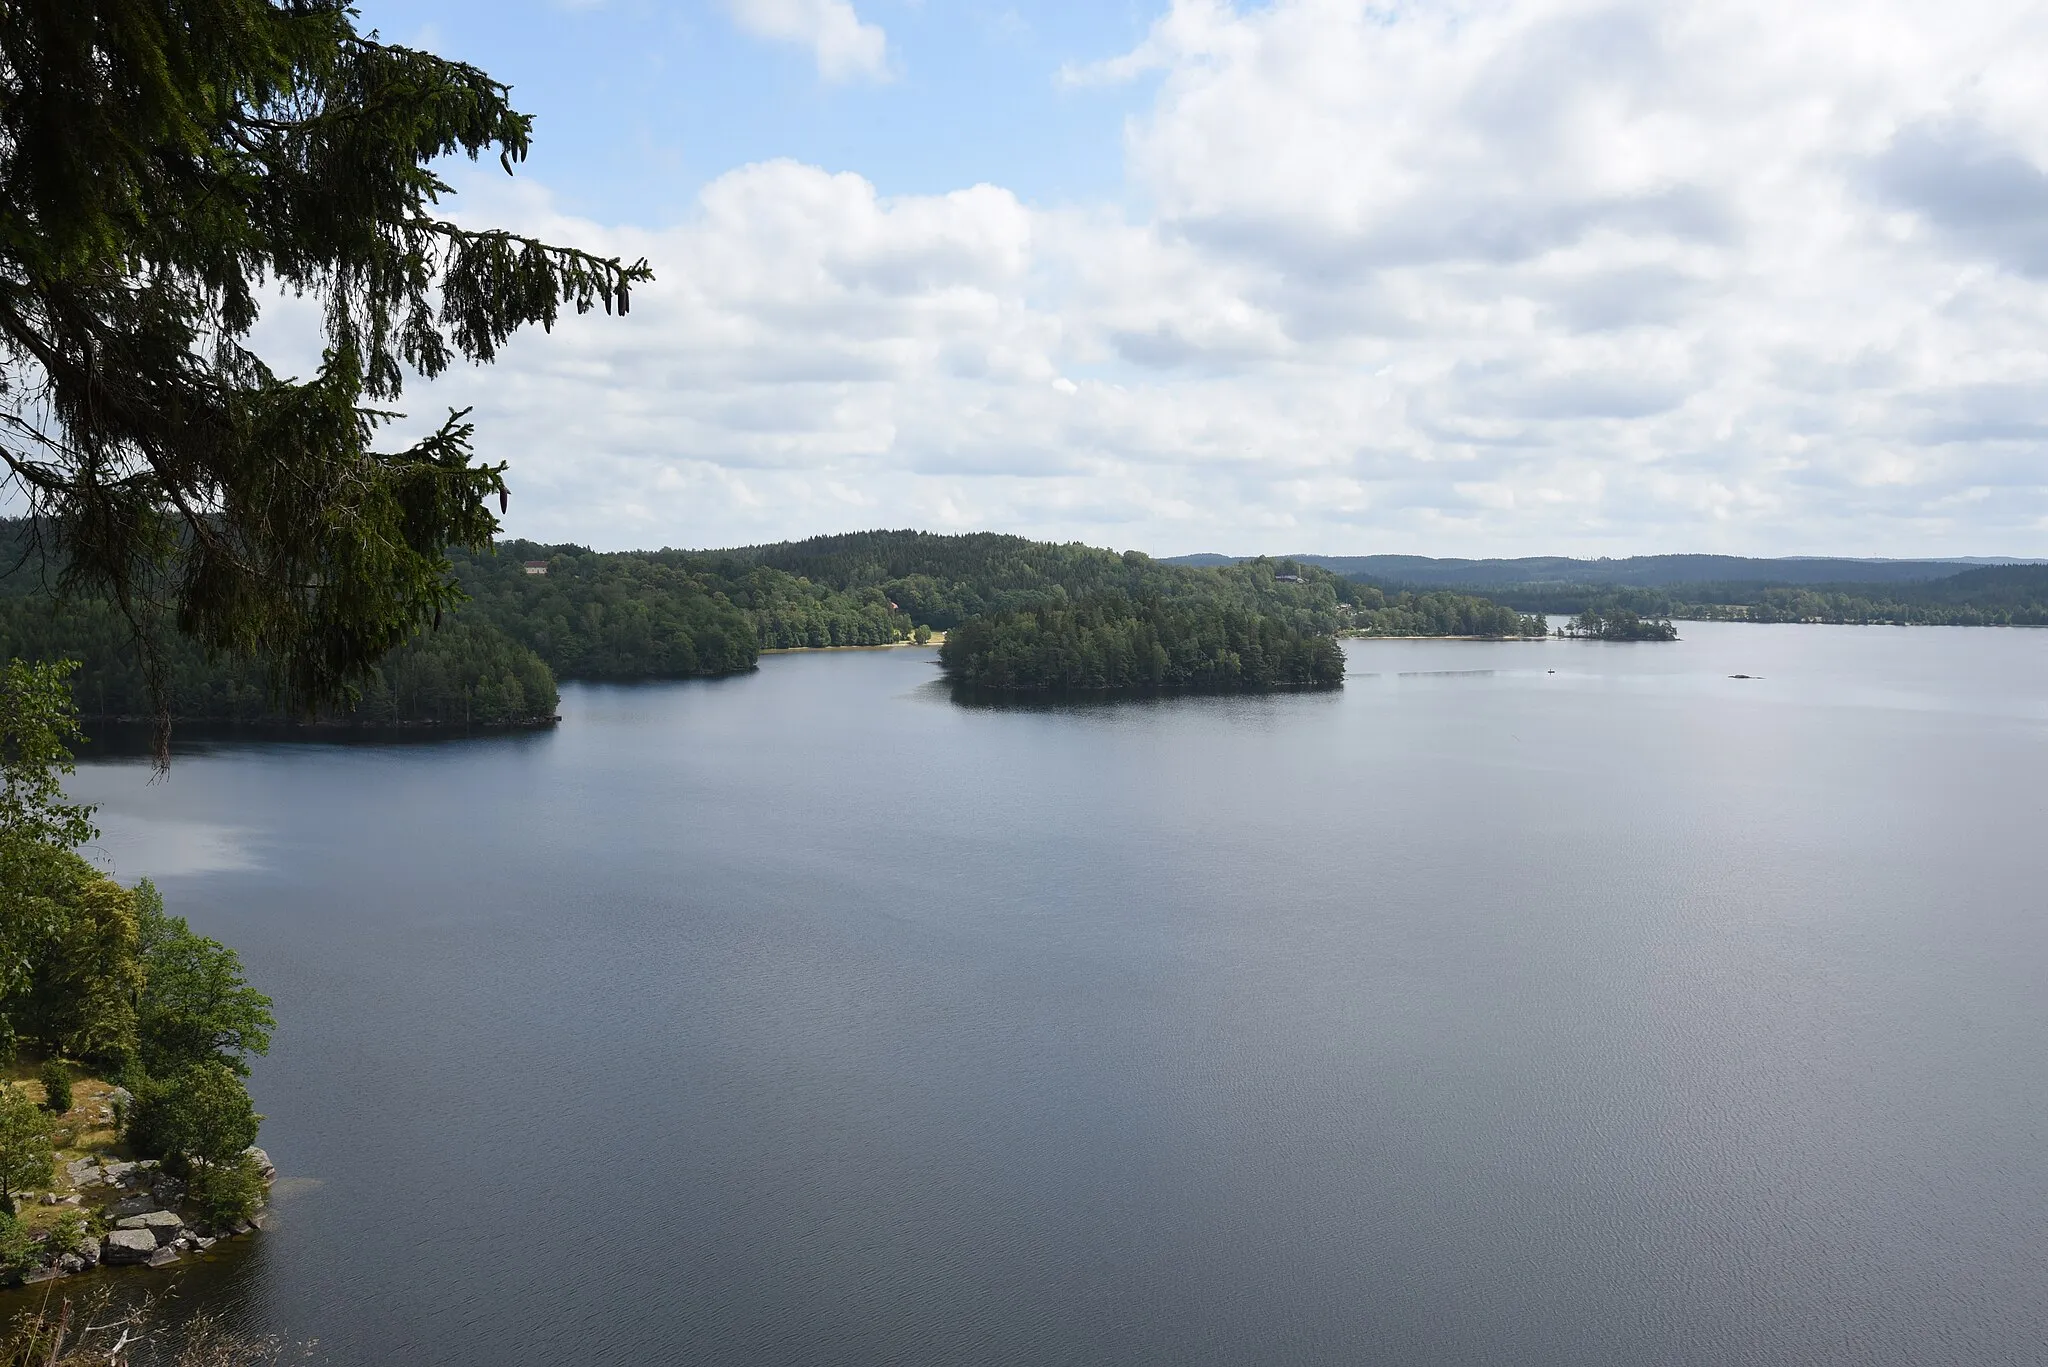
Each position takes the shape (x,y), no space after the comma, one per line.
(140,1218)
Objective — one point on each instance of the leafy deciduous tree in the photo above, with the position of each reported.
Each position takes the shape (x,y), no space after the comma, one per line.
(195,1006)
(26,1158)
(199,1116)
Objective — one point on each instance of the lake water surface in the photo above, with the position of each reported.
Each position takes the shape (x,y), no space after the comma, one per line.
(1477,1013)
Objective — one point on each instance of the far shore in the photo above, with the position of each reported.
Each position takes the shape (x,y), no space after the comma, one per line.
(938,639)
(1361,636)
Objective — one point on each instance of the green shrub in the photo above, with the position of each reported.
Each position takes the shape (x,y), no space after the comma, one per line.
(228,1191)
(17,1248)
(56,1080)
(72,1231)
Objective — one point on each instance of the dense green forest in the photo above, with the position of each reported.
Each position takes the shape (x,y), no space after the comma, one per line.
(663,614)
(942,581)
(1406,613)
(1106,642)
(1995,595)
(462,674)
(495,658)
(670,613)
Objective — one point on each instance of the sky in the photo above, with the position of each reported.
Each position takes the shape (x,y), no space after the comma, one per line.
(1524,277)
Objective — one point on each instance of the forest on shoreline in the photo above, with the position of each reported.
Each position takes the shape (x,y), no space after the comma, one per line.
(136,1031)
(534,614)
(1990,595)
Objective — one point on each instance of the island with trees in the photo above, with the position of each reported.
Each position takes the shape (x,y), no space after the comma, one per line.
(1617,624)
(1106,643)
(127,1134)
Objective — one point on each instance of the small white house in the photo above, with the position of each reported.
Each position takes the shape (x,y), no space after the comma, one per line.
(536,567)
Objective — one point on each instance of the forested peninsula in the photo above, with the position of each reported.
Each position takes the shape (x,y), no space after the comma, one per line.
(1039,615)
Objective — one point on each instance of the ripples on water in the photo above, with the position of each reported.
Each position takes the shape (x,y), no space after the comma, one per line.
(1473,1014)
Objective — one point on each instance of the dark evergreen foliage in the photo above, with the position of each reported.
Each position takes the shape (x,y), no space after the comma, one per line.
(161,161)
(462,674)
(55,1076)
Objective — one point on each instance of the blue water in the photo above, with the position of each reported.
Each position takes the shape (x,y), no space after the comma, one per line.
(1477,1013)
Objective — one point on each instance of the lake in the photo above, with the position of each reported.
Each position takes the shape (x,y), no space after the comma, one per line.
(1477,1013)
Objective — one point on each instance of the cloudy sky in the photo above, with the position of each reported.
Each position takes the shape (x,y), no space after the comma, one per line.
(1544,276)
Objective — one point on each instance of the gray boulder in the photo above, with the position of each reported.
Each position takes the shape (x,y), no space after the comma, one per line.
(163,1257)
(263,1163)
(89,1255)
(138,1204)
(124,1247)
(69,1263)
(163,1224)
(41,1274)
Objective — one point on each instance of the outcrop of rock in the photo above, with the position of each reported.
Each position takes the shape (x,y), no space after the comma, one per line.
(147,1228)
(126,1247)
(164,1224)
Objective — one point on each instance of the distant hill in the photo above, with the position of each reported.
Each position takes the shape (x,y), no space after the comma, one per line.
(1636,571)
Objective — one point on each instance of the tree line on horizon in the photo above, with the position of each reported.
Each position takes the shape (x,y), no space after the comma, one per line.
(1992,595)
(496,657)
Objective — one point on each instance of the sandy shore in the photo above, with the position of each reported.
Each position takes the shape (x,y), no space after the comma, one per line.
(938,639)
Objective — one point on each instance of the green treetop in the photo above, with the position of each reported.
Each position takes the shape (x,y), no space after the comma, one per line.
(195,1007)
(38,726)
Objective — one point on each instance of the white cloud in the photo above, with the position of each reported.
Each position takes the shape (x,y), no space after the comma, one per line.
(1464,278)
(844,47)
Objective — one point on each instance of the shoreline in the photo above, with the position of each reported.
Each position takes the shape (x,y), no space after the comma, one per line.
(103,1208)
(938,639)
